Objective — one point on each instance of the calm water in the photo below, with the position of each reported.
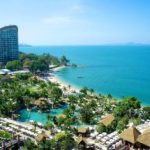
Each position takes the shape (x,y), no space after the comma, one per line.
(26,116)
(119,70)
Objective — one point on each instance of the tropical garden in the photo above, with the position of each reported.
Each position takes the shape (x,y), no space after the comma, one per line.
(83,109)
(36,63)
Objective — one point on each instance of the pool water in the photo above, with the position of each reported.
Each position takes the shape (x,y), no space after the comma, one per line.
(26,116)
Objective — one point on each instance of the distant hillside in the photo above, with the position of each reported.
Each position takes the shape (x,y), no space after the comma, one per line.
(25,45)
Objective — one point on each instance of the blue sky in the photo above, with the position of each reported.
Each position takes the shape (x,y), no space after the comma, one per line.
(82,22)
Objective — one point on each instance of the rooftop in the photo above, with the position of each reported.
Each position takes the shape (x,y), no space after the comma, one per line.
(107,120)
(131,134)
(145,137)
(9,26)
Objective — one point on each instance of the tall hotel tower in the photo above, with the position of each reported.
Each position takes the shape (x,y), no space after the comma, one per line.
(8,43)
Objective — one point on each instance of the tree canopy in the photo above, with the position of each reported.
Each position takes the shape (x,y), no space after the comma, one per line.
(14,65)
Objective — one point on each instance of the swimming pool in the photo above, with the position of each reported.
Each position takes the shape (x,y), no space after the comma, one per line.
(26,116)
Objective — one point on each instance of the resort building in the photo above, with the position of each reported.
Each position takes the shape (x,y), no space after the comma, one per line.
(144,139)
(107,120)
(8,43)
(130,135)
(135,138)
(88,138)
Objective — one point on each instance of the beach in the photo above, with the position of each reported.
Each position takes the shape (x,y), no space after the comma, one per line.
(113,73)
(63,85)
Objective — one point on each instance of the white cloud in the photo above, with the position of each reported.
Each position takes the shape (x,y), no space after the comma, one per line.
(56,20)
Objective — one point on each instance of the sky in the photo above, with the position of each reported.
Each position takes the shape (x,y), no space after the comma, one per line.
(78,22)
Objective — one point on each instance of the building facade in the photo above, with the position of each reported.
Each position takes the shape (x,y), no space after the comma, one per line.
(8,43)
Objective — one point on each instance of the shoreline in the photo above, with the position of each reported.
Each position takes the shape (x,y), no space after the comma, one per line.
(62,84)
(72,88)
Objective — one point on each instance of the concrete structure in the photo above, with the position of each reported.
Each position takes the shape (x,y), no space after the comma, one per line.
(8,43)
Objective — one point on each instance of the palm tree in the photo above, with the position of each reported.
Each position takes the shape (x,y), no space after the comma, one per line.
(109,96)
(35,125)
(91,91)
(26,101)
(84,90)
(56,94)
(69,86)
(48,117)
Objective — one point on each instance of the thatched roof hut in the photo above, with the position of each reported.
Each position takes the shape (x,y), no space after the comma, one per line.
(37,102)
(42,98)
(34,78)
(61,116)
(107,120)
(146,130)
(130,135)
(82,130)
(80,140)
(144,138)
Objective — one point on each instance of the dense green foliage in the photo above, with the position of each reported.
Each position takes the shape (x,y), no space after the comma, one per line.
(27,59)
(56,93)
(146,112)
(100,128)
(23,90)
(14,65)
(36,63)
(27,90)
(126,111)
(61,141)
(87,114)
(5,135)
(64,61)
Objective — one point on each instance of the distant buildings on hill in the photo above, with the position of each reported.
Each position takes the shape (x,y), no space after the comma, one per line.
(8,43)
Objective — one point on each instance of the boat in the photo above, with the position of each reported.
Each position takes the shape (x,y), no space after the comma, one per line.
(80,77)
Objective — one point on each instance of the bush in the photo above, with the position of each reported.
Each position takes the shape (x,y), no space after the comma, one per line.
(137,121)
(100,128)
(122,124)
(146,112)
(5,135)
(14,65)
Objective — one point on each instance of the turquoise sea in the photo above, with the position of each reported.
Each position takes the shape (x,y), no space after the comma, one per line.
(119,70)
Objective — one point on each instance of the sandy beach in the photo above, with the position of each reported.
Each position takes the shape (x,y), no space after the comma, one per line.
(63,85)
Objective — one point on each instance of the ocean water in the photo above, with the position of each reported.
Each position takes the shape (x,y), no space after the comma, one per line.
(119,70)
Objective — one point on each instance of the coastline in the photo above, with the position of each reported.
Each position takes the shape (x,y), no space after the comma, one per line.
(63,85)
(70,88)
(101,75)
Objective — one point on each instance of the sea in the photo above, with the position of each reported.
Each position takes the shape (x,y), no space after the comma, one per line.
(119,70)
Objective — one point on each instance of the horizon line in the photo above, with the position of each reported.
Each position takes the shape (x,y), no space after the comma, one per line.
(107,44)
